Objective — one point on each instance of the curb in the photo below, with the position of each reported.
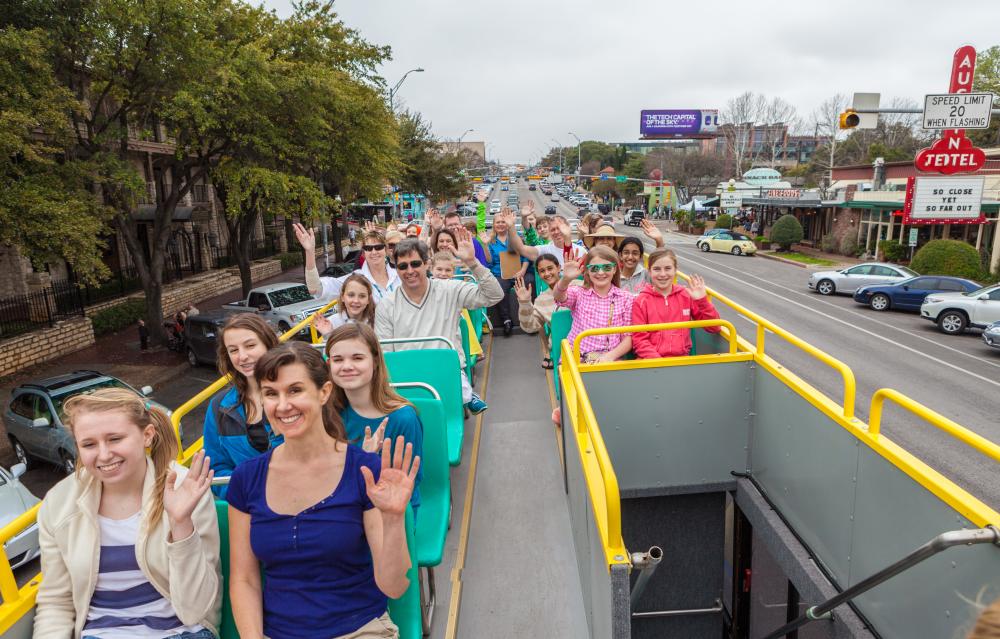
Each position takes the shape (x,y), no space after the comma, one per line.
(781,259)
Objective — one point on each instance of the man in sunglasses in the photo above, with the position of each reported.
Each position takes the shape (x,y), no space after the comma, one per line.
(423,307)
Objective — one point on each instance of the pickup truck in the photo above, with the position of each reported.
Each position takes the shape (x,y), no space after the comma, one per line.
(282,305)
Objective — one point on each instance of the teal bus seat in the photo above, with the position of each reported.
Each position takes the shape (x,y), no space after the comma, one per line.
(478,317)
(438,367)
(470,359)
(405,611)
(559,328)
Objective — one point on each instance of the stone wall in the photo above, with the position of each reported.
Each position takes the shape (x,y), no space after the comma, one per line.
(46,344)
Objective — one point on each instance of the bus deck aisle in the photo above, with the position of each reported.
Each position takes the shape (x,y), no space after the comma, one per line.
(520,577)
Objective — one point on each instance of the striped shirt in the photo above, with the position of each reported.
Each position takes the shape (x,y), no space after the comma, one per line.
(125,605)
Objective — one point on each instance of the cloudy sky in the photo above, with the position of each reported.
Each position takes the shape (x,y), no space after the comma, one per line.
(523,72)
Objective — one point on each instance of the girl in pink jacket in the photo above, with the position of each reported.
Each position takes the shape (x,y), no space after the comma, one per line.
(661,301)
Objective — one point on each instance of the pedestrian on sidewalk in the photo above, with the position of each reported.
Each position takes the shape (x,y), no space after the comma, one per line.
(143,336)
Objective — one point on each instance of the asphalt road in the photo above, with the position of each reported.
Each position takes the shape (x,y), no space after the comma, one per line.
(957,376)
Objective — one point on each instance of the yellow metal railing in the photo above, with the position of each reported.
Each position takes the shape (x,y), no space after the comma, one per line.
(16,601)
(647,328)
(185,455)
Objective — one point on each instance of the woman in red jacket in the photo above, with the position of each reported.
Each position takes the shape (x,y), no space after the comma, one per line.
(661,301)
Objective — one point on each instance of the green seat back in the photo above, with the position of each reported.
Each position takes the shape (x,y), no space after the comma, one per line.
(405,611)
(478,317)
(227,630)
(435,487)
(438,367)
(470,359)
(559,327)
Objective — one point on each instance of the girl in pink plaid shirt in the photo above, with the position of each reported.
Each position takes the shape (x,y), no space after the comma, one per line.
(599,303)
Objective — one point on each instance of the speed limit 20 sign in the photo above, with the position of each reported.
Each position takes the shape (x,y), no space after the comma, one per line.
(958,111)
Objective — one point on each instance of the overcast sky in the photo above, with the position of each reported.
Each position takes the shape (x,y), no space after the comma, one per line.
(522,72)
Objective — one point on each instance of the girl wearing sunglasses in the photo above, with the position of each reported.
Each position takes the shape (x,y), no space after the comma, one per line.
(599,303)
(376,270)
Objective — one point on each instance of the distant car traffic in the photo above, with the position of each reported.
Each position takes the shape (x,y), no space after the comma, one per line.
(554,198)
(728,242)
(34,416)
(531,187)
(850,279)
(494,208)
(550,209)
(955,312)
(909,294)
(992,335)
(504,188)
(633,217)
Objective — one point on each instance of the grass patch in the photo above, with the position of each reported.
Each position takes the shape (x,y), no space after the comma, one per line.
(805,259)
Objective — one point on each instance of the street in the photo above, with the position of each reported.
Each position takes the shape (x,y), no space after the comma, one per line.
(957,376)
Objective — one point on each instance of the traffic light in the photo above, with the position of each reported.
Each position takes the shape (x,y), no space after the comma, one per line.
(849,119)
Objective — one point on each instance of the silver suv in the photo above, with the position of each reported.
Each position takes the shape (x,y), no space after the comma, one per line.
(955,312)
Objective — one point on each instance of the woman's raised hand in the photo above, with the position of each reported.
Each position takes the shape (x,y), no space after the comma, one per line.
(465,251)
(523,292)
(180,501)
(395,483)
(306,237)
(322,323)
(696,287)
(650,231)
(572,269)
(373,441)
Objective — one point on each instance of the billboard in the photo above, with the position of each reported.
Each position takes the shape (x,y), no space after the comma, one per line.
(678,123)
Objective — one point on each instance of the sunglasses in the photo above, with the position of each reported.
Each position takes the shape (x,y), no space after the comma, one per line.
(373,247)
(600,268)
(405,266)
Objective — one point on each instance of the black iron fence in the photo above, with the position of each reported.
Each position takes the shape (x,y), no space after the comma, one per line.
(23,313)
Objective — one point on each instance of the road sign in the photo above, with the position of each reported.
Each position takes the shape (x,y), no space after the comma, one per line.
(939,200)
(621,178)
(949,155)
(913,237)
(730,200)
(957,111)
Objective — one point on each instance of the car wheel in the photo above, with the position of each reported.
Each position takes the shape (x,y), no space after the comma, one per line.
(826,287)
(952,322)
(68,463)
(705,248)
(879,302)
(736,251)
(192,358)
(20,452)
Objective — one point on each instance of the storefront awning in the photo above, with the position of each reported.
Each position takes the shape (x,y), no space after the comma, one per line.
(793,204)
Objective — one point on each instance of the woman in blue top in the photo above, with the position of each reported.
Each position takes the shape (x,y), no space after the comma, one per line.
(235,426)
(499,243)
(316,527)
(363,397)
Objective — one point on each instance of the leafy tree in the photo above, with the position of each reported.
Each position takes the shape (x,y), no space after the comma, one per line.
(47,206)
(425,167)
(947,257)
(786,231)
(987,79)
(724,221)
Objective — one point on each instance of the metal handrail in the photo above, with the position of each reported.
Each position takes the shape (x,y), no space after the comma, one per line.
(648,328)
(611,528)
(410,340)
(942,542)
(184,456)
(421,385)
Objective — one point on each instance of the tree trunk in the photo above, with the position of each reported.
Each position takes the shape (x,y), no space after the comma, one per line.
(240,230)
(338,244)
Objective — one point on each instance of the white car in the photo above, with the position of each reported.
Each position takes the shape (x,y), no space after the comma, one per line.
(494,208)
(850,279)
(15,499)
(955,312)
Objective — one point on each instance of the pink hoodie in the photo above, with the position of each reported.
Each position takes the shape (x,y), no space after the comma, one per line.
(650,307)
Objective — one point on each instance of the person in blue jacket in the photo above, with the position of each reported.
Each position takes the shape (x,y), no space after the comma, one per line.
(236,428)
(370,409)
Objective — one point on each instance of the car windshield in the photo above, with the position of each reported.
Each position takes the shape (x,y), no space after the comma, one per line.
(106,382)
(740,236)
(290,295)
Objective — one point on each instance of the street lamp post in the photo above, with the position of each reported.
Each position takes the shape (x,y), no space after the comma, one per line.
(578,143)
(392,91)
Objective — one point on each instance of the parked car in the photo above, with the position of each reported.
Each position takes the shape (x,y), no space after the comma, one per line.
(494,208)
(728,242)
(201,336)
(850,279)
(34,416)
(909,294)
(707,234)
(554,198)
(16,499)
(550,209)
(633,217)
(282,305)
(504,188)
(992,335)
(955,312)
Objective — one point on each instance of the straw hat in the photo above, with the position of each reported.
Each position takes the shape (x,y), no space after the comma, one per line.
(604,230)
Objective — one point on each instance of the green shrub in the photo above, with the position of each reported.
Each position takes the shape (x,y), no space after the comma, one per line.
(698,224)
(724,221)
(947,257)
(291,260)
(786,231)
(829,244)
(115,318)
(760,238)
(849,246)
(893,251)
(681,217)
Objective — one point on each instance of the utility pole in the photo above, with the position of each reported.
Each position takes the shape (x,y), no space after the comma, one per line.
(578,144)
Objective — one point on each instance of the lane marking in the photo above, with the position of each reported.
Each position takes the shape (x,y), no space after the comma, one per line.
(454,602)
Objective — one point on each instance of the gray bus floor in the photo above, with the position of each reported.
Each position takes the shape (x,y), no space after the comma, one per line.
(509,567)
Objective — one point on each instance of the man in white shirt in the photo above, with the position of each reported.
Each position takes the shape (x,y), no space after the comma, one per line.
(425,307)
(560,243)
